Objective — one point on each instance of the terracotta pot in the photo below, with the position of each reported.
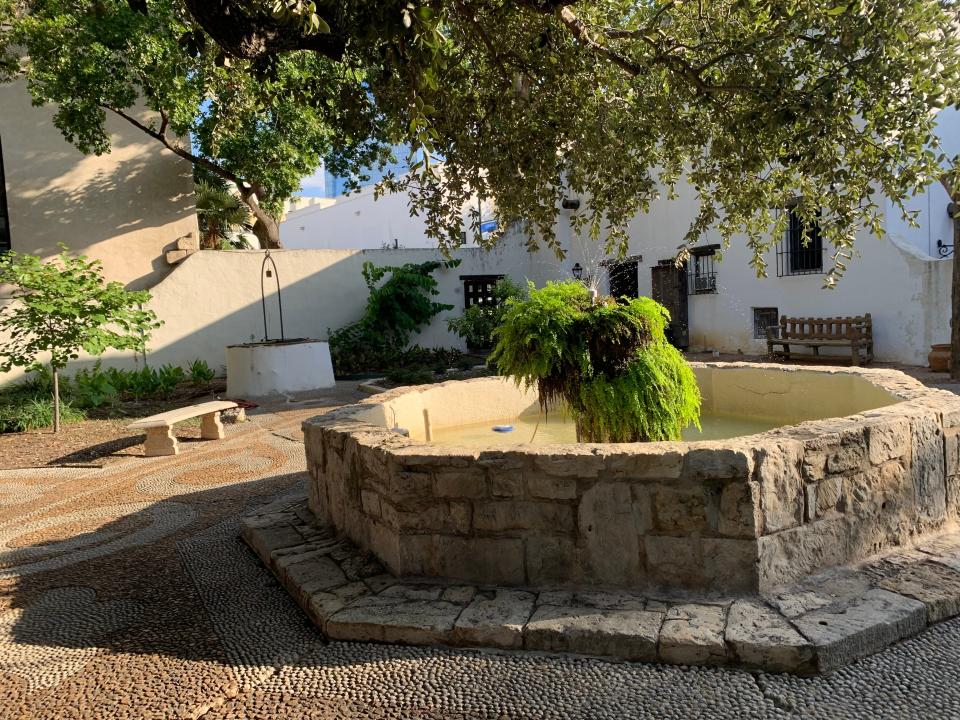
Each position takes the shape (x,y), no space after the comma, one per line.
(939,358)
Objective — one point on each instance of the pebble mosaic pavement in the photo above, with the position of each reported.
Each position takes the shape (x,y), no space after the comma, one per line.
(127,593)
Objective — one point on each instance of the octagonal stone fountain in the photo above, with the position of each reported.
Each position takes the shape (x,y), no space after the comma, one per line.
(756,547)
(853,462)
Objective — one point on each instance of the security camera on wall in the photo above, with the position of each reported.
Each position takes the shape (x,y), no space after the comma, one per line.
(570,203)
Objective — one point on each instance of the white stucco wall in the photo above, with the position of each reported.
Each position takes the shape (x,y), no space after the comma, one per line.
(212,299)
(125,208)
(359,222)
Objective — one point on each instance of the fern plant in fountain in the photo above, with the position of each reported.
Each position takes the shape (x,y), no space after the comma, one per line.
(608,363)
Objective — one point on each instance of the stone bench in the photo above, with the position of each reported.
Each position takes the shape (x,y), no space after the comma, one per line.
(160,439)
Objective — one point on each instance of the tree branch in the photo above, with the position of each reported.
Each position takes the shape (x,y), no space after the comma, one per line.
(175,148)
(579,30)
(948,186)
(253,36)
(673,62)
(250,190)
(484,37)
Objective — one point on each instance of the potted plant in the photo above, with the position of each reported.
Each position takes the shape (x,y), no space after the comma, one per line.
(607,362)
(939,357)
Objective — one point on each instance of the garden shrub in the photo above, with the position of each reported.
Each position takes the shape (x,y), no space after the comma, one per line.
(396,310)
(477,323)
(93,388)
(201,372)
(35,413)
(29,405)
(609,363)
(168,378)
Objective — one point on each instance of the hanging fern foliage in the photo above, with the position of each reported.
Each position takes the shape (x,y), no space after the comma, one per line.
(609,363)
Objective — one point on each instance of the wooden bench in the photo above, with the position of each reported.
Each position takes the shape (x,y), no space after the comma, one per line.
(855,333)
(160,439)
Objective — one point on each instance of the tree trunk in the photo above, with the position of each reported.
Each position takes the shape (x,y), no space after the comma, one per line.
(267,232)
(265,227)
(56,398)
(955,306)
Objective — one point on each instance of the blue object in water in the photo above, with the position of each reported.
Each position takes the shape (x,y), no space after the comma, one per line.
(503,428)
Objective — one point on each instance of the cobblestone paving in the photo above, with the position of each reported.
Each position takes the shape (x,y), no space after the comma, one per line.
(126,593)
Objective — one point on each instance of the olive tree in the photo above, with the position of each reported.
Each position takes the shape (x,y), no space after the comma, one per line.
(61,307)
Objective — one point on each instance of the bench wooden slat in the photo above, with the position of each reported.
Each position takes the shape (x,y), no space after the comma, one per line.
(170,417)
(798,341)
(853,332)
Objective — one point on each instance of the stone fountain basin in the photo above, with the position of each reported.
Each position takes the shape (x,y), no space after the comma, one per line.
(869,460)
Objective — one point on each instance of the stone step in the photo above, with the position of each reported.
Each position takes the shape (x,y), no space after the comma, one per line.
(822,623)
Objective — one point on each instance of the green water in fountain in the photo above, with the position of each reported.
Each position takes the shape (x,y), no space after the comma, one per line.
(558,428)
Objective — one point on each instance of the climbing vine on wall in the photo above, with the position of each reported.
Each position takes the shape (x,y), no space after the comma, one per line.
(397,309)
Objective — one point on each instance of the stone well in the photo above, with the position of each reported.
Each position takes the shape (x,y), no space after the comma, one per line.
(278,367)
(739,515)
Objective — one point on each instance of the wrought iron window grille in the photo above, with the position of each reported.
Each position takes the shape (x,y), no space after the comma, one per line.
(702,271)
(478,289)
(764,317)
(800,250)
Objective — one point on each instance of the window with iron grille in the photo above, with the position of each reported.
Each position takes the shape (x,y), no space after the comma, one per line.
(701,271)
(800,251)
(4,215)
(764,317)
(478,289)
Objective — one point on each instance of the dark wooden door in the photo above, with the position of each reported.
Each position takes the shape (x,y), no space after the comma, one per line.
(624,279)
(670,290)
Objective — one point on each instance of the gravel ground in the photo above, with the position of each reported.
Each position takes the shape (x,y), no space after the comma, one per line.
(153,608)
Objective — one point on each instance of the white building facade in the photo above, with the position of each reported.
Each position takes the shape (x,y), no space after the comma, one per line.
(719,304)
(903,279)
(362,221)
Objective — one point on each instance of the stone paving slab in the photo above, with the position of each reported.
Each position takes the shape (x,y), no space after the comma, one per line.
(758,636)
(817,625)
(628,634)
(494,619)
(692,634)
(861,626)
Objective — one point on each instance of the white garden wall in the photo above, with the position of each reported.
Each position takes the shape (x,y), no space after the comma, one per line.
(212,299)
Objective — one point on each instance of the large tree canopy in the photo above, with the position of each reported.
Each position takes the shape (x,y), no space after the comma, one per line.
(262,125)
(754,103)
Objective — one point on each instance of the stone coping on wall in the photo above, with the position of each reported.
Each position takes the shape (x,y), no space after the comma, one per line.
(738,515)
(822,623)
